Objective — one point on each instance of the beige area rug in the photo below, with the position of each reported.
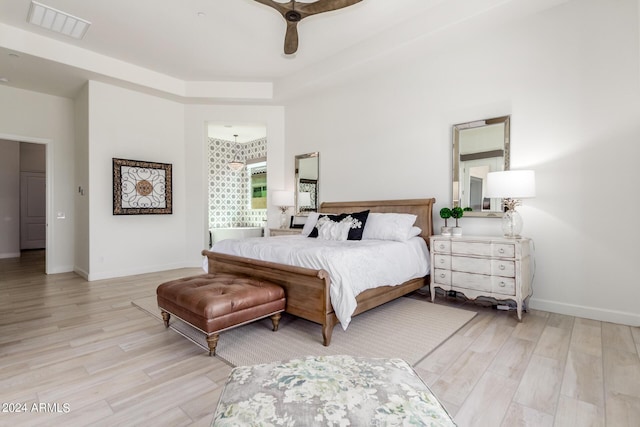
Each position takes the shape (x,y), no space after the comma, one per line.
(405,328)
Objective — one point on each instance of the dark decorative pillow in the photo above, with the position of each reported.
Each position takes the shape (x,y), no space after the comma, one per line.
(357,219)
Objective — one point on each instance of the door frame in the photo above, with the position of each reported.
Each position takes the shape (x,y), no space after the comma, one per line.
(49,188)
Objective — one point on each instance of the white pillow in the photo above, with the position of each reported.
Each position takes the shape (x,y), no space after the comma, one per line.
(390,226)
(311,221)
(331,230)
(415,231)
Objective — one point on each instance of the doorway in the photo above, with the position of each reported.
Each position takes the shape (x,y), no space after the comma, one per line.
(31,172)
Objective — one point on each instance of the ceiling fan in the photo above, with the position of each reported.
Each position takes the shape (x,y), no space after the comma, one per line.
(293,12)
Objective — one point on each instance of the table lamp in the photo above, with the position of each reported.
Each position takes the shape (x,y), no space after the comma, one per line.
(511,186)
(283,200)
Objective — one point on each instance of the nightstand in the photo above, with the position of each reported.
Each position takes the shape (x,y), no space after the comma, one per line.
(284,231)
(494,267)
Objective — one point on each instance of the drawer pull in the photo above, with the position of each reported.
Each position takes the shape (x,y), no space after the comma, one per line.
(502,284)
(441,246)
(501,250)
(502,267)
(441,261)
(442,275)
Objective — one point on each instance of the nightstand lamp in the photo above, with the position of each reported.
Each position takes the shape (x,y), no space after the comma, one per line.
(283,200)
(511,186)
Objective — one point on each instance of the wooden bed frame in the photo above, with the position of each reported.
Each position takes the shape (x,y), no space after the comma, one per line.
(307,290)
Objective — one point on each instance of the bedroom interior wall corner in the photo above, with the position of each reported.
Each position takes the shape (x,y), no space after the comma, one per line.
(81,180)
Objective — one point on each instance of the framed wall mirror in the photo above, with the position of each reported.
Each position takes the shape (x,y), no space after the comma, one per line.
(479,147)
(306,179)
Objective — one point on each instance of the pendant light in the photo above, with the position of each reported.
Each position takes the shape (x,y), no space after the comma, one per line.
(235,164)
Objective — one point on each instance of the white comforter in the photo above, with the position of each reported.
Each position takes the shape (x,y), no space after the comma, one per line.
(353,265)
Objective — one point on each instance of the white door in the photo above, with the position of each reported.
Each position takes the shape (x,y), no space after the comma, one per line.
(33,225)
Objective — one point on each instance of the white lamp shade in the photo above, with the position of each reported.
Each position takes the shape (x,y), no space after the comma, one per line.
(304,199)
(283,198)
(520,184)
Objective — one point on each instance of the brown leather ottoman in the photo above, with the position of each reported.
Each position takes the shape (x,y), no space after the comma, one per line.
(214,303)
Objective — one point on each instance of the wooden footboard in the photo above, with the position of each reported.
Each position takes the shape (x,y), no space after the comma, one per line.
(307,290)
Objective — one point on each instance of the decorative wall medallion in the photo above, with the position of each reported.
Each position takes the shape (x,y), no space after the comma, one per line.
(141,188)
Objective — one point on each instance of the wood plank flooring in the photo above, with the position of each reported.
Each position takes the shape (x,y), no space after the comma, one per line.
(84,355)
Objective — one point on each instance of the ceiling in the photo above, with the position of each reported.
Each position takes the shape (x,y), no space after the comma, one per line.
(200,49)
(246,133)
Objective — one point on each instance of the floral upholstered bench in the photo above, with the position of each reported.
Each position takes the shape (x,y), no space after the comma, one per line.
(329,390)
(213,303)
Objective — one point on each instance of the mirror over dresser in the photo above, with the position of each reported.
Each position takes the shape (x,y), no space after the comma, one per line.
(479,147)
(307,170)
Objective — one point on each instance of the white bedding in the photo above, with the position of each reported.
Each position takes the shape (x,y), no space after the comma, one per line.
(353,265)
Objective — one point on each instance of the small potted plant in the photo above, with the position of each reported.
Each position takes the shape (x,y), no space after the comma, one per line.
(445,213)
(457,213)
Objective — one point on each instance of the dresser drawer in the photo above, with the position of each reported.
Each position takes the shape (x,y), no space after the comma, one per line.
(442,261)
(442,277)
(484,283)
(502,250)
(442,246)
(483,266)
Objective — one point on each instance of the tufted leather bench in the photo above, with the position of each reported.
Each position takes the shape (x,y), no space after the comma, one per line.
(214,303)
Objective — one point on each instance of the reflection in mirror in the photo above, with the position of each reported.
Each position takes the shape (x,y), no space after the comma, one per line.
(307,170)
(479,147)
(257,171)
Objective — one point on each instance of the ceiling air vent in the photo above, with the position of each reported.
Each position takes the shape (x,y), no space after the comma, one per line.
(57,21)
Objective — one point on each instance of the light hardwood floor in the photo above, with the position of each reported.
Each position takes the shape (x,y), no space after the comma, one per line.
(81,349)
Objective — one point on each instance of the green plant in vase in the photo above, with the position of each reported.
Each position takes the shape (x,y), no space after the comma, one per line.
(457,213)
(445,213)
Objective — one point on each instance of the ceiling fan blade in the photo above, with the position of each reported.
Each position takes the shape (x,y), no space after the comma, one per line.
(291,38)
(294,12)
(321,6)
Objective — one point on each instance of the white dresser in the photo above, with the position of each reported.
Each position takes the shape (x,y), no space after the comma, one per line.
(494,267)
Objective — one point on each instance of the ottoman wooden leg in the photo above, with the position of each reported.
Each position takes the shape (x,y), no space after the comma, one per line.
(275,319)
(212,341)
(165,318)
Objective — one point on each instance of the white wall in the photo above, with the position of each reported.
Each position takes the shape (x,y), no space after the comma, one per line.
(82,193)
(131,125)
(35,117)
(569,77)
(9,199)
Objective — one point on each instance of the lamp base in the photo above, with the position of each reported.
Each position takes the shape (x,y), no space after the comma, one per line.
(283,216)
(511,224)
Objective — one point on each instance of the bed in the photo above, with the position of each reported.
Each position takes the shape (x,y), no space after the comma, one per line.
(308,290)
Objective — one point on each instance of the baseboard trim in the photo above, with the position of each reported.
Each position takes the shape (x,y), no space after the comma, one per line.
(80,272)
(124,273)
(601,314)
(61,269)
(10,255)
